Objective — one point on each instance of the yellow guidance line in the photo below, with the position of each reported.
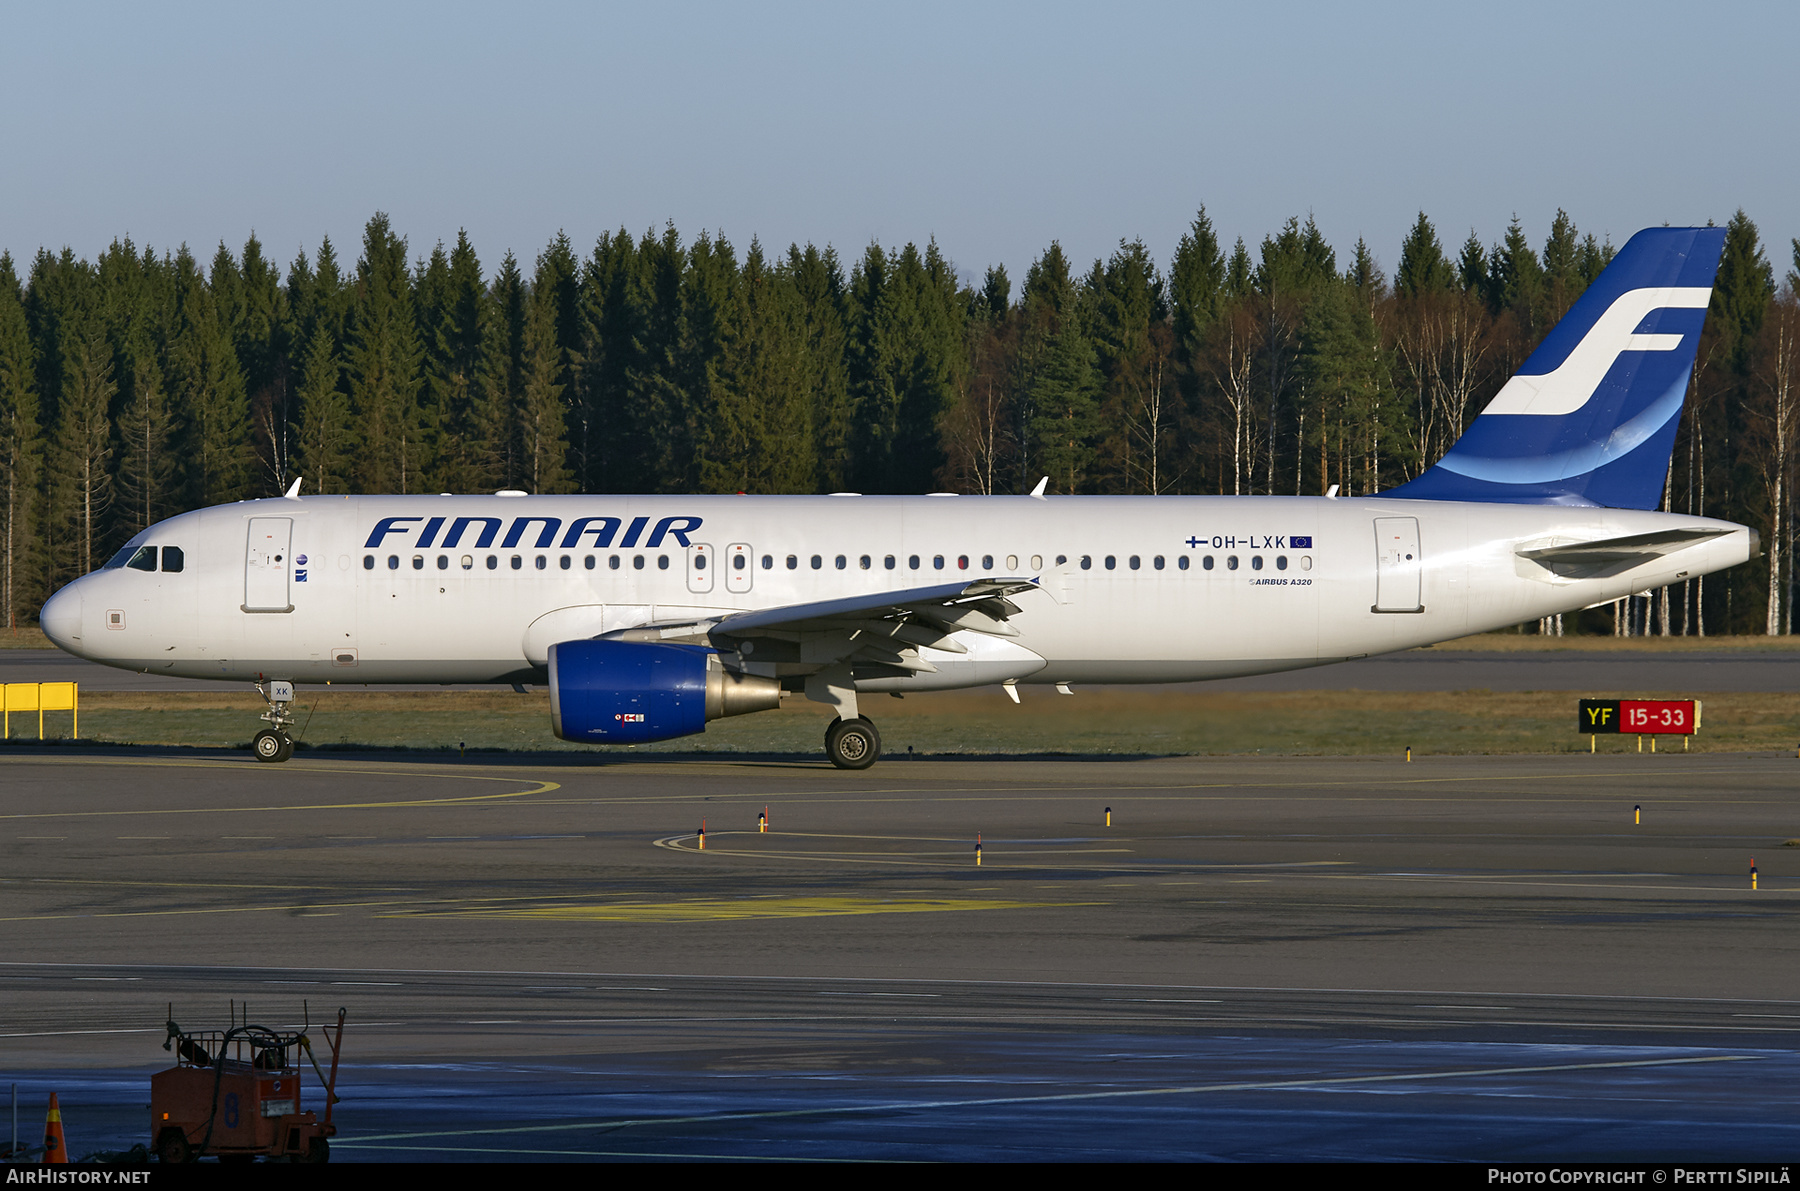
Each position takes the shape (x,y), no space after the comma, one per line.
(540,788)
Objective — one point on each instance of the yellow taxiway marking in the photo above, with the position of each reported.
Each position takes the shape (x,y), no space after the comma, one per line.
(538,788)
(727,910)
(1273,1085)
(693,910)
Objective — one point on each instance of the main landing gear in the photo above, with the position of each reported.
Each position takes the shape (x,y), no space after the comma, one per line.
(852,743)
(273,743)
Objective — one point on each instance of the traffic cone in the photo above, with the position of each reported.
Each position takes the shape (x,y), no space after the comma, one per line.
(54,1150)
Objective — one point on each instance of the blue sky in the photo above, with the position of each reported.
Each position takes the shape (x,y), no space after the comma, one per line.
(993,127)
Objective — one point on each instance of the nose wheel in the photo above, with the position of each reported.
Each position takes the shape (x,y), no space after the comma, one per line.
(270,745)
(852,744)
(273,743)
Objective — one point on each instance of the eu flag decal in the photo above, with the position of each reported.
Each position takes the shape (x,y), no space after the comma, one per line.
(1299,543)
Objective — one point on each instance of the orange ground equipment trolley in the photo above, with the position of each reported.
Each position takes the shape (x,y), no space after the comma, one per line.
(235,1094)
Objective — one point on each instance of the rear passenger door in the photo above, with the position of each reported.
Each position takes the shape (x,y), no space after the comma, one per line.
(1397,565)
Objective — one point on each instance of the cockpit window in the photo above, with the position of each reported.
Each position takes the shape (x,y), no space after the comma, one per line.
(118,560)
(173,559)
(144,559)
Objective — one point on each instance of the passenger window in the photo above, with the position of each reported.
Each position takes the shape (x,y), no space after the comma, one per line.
(637,562)
(368,562)
(612,562)
(144,559)
(517,563)
(842,562)
(393,562)
(962,562)
(1231,563)
(173,559)
(542,562)
(793,562)
(1306,562)
(739,562)
(493,562)
(662,562)
(1061,558)
(768,562)
(443,562)
(818,562)
(1207,562)
(912,561)
(699,562)
(468,562)
(1134,562)
(1111,562)
(588,562)
(1256,562)
(1281,562)
(888,562)
(1158,562)
(937,562)
(865,562)
(1087,562)
(1037,562)
(418,562)
(1183,562)
(564,562)
(987,562)
(1012,562)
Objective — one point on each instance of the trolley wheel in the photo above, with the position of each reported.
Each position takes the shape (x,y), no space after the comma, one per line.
(172,1148)
(270,745)
(852,744)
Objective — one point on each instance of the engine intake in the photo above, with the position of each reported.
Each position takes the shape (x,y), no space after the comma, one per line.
(633,692)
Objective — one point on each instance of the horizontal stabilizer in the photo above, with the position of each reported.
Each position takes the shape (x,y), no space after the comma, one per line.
(1615,556)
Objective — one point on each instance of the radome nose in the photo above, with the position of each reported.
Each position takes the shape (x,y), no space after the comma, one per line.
(61,618)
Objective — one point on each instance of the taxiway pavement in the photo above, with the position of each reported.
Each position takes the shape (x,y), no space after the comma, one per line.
(1306,958)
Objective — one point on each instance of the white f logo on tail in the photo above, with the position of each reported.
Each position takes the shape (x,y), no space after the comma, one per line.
(1569,386)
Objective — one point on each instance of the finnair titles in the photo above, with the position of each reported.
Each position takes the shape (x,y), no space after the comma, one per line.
(650,616)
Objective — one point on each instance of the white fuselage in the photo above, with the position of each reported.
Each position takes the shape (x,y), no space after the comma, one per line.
(355,590)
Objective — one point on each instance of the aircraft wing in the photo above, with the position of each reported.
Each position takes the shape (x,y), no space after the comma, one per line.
(882,628)
(1613,556)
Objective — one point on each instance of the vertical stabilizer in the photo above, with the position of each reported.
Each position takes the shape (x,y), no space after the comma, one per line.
(1590,419)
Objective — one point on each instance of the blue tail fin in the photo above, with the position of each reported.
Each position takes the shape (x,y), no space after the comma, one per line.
(1590,418)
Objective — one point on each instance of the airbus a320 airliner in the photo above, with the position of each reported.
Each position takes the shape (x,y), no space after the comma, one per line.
(650,616)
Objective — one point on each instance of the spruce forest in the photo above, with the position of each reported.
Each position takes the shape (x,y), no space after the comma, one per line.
(140,385)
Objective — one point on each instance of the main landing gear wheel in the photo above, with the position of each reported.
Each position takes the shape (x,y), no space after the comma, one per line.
(852,744)
(270,745)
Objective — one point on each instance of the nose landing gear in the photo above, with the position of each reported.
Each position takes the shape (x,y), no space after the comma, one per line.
(273,743)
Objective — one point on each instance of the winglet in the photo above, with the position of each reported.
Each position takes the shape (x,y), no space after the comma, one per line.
(1041,485)
(293,492)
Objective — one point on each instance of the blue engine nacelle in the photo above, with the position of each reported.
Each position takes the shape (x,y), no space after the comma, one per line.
(635,692)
